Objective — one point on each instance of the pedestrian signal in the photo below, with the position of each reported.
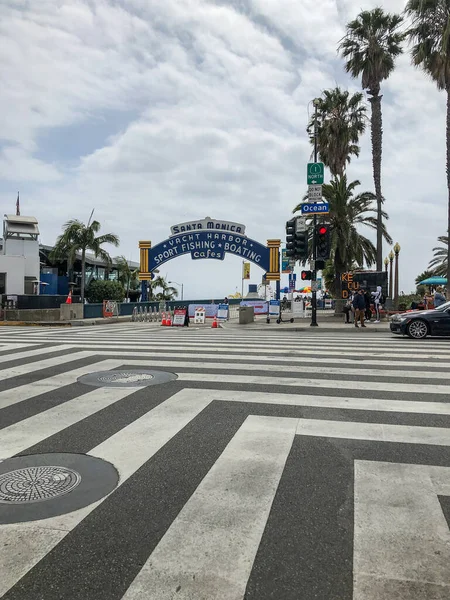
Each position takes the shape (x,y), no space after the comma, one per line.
(306,275)
(290,239)
(323,242)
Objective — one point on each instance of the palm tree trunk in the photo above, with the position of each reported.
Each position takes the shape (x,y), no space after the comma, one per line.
(83,273)
(377,136)
(448,187)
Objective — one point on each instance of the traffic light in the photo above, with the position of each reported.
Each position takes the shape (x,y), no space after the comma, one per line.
(306,275)
(290,239)
(323,242)
(301,241)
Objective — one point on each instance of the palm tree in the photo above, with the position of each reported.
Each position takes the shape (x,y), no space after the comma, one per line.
(128,277)
(167,292)
(341,120)
(372,43)
(439,262)
(347,212)
(431,51)
(78,238)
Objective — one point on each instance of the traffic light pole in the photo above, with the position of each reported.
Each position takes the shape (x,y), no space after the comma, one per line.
(314,273)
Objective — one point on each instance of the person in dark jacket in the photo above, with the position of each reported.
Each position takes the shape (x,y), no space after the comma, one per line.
(359,304)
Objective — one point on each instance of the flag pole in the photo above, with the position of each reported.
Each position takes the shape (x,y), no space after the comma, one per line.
(18,205)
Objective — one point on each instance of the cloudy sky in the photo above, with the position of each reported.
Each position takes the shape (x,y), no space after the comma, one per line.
(161,111)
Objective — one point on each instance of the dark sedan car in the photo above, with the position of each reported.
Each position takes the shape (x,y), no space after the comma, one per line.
(418,324)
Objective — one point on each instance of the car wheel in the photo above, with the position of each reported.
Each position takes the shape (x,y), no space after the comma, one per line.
(417,329)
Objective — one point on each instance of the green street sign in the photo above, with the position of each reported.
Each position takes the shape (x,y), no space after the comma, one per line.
(315,174)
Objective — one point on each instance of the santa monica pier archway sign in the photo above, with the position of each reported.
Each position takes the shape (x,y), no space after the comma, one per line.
(209,239)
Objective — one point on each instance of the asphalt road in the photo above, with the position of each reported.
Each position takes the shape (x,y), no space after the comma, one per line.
(237,465)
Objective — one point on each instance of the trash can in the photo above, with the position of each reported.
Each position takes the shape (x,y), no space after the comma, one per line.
(246,315)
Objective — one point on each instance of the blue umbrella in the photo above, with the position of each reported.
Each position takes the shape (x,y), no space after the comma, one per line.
(434,281)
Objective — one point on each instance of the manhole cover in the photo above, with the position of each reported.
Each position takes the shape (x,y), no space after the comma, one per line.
(36,484)
(39,486)
(130,378)
(127,378)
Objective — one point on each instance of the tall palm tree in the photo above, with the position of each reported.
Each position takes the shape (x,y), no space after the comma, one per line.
(439,262)
(78,238)
(341,120)
(430,33)
(347,212)
(372,43)
(167,292)
(128,277)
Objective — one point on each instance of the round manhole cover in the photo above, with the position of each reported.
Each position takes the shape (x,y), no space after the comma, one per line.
(130,378)
(36,484)
(40,486)
(127,378)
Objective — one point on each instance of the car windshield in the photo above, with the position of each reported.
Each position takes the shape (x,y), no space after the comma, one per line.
(444,306)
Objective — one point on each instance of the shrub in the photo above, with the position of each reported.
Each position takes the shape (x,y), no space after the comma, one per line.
(105,290)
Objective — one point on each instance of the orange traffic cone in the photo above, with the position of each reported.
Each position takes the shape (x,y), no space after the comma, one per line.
(69,298)
(214,325)
(163,319)
(169,320)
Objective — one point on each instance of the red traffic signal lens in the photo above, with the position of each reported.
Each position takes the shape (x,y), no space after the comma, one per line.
(323,230)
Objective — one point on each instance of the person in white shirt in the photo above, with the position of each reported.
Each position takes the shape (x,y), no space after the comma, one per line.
(377,301)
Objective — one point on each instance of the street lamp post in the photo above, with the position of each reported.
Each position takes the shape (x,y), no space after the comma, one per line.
(391,258)
(386,262)
(397,251)
(179,284)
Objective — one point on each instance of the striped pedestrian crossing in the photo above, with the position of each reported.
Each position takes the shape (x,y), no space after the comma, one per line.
(276,465)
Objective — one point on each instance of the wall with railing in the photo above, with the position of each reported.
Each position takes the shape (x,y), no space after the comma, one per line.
(95,311)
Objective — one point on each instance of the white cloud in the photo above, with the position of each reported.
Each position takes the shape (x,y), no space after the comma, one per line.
(211,101)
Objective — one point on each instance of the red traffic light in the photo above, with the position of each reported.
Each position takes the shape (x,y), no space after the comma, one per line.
(323,230)
(306,275)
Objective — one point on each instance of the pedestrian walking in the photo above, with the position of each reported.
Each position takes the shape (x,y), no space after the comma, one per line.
(359,304)
(377,301)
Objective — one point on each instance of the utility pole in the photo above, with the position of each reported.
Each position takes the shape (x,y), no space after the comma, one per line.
(314,272)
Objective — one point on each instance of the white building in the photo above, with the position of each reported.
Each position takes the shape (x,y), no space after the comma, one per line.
(19,256)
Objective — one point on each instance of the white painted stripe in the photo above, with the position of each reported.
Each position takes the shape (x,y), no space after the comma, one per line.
(405,434)
(306,360)
(49,384)
(291,368)
(24,434)
(401,537)
(299,351)
(43,364)
(16,346)
(209,550)
(369,404)
(334,384)
(23,545)
(29,353)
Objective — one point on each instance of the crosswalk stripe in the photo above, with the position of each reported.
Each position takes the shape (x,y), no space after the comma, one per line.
(405,434)
(43,364)
(24,434)
(293,351)
(287,369)
(38,353)
(394,509)
(49,384)
(334,384)
(209,549)
(335,402)
(145,436)
(374,362)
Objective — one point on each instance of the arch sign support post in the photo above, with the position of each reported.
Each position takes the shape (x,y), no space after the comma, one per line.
(209,239)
